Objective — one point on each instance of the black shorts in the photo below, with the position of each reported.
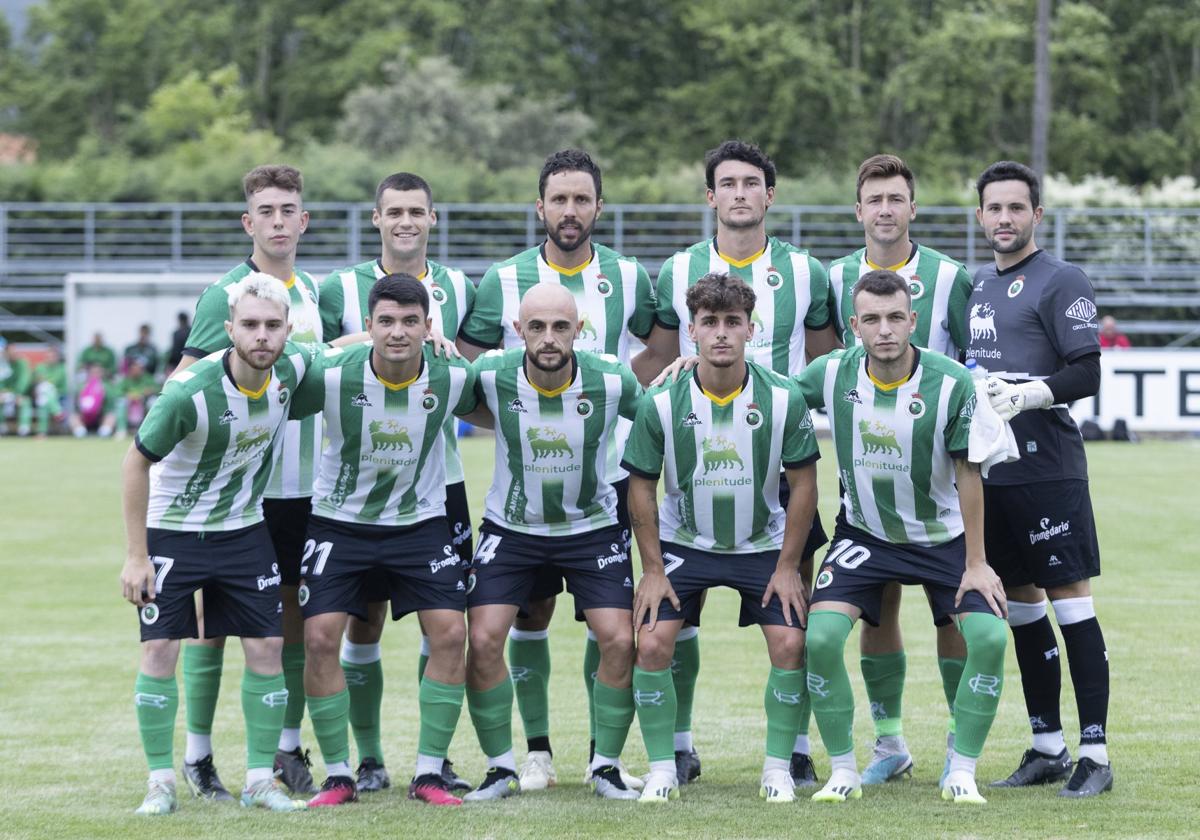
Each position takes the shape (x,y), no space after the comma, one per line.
(595,564)
(692,570)
(236,571)
(417,564)
(1042,533)
(287,522)
(858,566)
(550,581)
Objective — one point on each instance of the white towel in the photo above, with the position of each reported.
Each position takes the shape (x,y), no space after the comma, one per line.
(991,440)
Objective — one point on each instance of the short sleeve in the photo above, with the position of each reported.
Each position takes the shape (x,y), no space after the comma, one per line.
(309,396)
(482,326)
(631,393)
(1067,310)
(799,440)
(468,400)
(812,383)
(644,450)
(956,309)
(170,420)
(208,326)
(961,410)
(819,314)
(330,302)
(644,304)
(664,311)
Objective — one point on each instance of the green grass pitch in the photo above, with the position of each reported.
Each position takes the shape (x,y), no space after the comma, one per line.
(72,764)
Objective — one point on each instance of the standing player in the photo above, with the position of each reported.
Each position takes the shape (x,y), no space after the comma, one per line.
(403,215)
(912,512)
(551,504)
(792,323)
(885,204)
(379,510)
(724,430)
(192,485)
(274,220)
(614,296)
(1033,324)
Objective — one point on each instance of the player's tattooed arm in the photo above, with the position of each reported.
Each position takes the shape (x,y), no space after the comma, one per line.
(137,575)
(979,576)
(654,587)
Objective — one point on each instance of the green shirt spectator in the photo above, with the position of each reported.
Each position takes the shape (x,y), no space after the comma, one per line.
(99,353)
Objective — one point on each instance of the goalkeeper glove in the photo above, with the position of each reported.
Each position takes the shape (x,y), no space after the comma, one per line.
(1009,399)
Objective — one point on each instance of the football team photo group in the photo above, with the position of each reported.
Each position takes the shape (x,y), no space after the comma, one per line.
(298,484)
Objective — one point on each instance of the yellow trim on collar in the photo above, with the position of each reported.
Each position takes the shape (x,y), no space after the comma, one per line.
(745,262)
(291,281)
(888,386)
(570,272)
(560,389)
(721,400)
(397,386)
(254,395)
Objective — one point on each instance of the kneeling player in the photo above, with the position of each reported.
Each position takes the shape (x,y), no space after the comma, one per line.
(206,443)
(912,513)
(379,510)
(724,429)
(551,505)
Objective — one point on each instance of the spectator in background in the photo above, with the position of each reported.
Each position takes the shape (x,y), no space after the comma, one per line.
(178,342)
(94,406)
(14,390)
(49,390)
(143,352)
(137,391)
(1111,337)
(98,353)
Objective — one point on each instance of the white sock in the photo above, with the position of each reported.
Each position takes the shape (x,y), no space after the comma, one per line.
(339,768)
(424,645)
(683,741)
(843,762)
(591,636)
(687,632)
(254,775)
(599,761)
(289,739)
(776,764)
(1096,752)
(505,760)
(527,635)
(165,776)
(663,767)
(428,765)
(802,745)
(960,762)
(198,746)
(360,654)
(1049,743)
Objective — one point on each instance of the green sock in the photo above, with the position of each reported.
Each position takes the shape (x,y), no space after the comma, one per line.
(365,686)
(201,685)
(782,701)
(654,696)
(884,677)
(529,664)
(329,716)
(613,715)
(491,713)
(293,677)
(591,664)
(952,671)
(24,415)
(157,700)
(804,712)
(264,700)
(422,661)
(441,704)
(983,678)
(122,416)
(828,681)
(685,670)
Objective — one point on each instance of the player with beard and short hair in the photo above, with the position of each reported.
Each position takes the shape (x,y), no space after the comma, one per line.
(793,323)
(404,215)
(885,204)
(615,299)
(1032,325)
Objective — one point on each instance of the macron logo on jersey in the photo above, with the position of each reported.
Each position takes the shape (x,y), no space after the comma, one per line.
(360,401)
(517,406)
(691,420)
(227,417)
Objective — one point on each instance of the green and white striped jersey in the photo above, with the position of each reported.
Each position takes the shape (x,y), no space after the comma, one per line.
(299,447)
(344,311)
(211,442)
(613,294)
(939,285)
(792,292)
(722,458)
(550,477)
(377,467)
(895,448)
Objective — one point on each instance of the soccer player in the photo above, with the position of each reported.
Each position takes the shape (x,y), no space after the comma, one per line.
(792,322)
(193,483)
(15,382)
(379,510)
(551,504)
(885,204)
(404,215)
(615,299)
(1032,324)
(911,512)
(274,220)
(723,429)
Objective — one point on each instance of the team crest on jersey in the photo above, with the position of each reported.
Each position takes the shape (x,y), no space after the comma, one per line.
(360,401)
(983,322)
(754,417)
(515,405)
(852,396)
(878,438)
(916,288)
(1015,287)
(545,442)
(774,277)
(584,407)
(691,420)
(429,401)
(824,579)
(471,583)
(150,614)
(438,294)
(604,286)
(720,453)
(284,393)
(1082,310)
(916,406)
(227,417)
